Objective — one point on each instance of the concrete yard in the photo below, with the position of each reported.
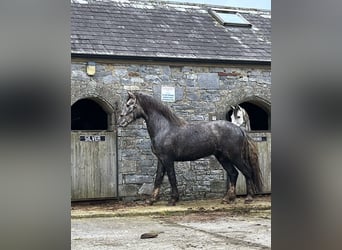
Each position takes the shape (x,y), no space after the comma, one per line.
(190,225)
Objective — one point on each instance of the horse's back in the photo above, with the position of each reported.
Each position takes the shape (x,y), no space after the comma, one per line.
(211,129)
(201,139)
(215,128)
(226,132)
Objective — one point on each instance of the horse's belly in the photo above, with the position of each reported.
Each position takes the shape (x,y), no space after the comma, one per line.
(193,152)
(191,157)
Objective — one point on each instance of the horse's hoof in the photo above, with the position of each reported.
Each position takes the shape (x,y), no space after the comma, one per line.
(171,203)
(149,202)
(248,200)
(230,200)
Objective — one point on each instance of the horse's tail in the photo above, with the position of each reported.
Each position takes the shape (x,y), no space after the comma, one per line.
(250,155)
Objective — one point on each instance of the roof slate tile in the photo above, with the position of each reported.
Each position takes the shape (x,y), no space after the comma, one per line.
(165,30)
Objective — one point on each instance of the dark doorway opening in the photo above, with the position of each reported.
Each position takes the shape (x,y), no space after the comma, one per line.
(259,118)
(87,114)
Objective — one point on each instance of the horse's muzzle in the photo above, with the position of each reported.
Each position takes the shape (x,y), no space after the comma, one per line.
(122,122)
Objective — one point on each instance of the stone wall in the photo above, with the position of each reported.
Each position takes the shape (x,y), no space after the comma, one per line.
(201,92)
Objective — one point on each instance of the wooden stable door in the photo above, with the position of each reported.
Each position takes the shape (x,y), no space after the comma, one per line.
(263,143)
(93,165)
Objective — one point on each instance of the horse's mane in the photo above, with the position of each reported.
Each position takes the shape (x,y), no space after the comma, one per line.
(147,102)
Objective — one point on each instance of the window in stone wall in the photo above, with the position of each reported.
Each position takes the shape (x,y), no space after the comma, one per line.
(229,18)
(87,114)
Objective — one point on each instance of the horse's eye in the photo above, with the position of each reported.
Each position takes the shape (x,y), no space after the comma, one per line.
(238,117)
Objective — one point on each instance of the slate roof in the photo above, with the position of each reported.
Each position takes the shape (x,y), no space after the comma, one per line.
(166,30)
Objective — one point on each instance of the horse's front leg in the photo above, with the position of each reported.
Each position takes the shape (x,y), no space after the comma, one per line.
(157,183)
(170,169)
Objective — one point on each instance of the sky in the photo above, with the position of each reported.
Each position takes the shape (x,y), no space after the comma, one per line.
(256,4)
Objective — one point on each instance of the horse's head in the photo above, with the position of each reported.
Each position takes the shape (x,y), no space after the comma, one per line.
(238,116)
(130,111)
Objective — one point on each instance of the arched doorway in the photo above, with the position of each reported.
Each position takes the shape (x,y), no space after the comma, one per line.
(260,120)
(259,117)
(86,114)
(93,150)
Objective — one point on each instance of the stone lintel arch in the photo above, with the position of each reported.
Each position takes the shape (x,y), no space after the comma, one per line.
(258,101)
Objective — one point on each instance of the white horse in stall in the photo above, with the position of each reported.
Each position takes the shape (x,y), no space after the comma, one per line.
(240,117)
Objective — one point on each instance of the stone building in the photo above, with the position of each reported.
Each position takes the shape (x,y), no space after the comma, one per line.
(205,58)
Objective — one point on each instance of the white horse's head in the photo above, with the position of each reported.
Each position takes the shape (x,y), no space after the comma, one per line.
(240,117)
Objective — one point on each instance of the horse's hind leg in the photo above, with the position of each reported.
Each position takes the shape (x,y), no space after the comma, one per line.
(232,173)
(170,169)
(249,183)
(157,183)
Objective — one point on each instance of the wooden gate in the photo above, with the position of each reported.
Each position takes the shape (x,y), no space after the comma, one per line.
(263,143)
(93,165)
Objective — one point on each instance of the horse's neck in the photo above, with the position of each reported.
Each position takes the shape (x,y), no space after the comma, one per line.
(158,118)
(156,123)
(248,125)
(247,122)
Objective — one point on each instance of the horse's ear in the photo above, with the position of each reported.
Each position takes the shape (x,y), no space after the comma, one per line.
(239,107)
(232,107)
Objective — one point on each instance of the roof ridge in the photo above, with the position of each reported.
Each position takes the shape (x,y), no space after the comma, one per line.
(170,2)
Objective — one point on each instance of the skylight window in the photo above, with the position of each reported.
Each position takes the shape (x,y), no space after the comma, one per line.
(229,18)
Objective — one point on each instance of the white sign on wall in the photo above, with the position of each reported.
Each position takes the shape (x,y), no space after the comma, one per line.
(168,94)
